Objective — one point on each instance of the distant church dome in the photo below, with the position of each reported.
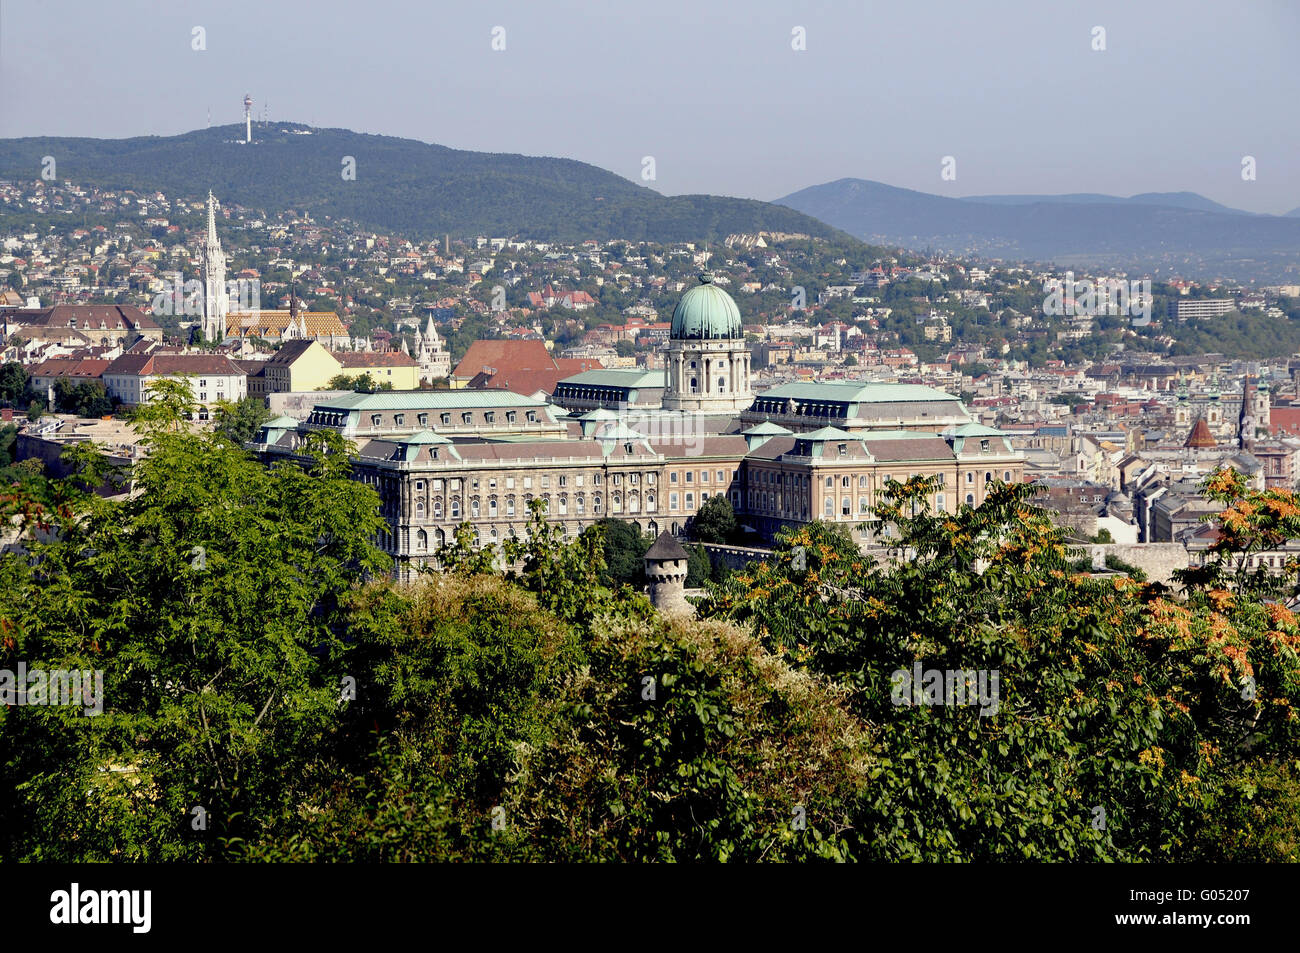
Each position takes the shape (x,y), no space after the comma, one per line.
(706,313)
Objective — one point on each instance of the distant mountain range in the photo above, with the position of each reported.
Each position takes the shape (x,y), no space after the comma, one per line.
(401,185)
(1162,232)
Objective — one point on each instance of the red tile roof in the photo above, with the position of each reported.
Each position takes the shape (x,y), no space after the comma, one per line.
(89,368)
(1200,436)
(370,359)
(1284,421)
(83,317)
(524,367)
(146,365)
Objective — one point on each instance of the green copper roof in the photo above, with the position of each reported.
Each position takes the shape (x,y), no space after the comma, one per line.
(766,429)
(429,400)
(861,392)
(618,431)
(828,433)
(618,377)
(281,423)
(424,436)
(870,434)
(706,313)
(973,430)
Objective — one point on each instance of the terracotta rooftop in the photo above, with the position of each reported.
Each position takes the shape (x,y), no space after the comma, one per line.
(1200,437)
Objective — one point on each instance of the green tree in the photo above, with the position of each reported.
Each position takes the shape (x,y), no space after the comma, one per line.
(13,382)
(1109,695)
(715,522)
(361,383)
(83,398)
(624,553)
(167,405)
(240,420)
(215,603)
(698,568)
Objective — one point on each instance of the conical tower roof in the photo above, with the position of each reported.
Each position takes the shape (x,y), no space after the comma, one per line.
(1200,438)
(666,547)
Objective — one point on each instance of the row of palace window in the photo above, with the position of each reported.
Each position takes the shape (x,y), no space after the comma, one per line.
(676,501)
(466,418)
(494,508)
(689,476)
(421,539)
(562,481)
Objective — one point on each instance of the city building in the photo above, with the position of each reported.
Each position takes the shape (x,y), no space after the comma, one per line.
(857,406)
(1188,308)
(102,325)
(212,377)
(611,389)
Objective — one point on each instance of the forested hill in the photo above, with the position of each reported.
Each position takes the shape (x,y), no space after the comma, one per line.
(1165,233)
(400,185)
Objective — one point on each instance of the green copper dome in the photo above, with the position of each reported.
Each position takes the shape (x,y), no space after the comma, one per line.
(706,313)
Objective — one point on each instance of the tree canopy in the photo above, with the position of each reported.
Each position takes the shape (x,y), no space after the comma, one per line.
(270,693)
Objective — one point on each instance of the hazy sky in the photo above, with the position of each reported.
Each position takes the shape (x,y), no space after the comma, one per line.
(712,90)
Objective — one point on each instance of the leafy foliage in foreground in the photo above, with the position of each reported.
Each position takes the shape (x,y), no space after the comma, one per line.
(260,665)
(1125,718)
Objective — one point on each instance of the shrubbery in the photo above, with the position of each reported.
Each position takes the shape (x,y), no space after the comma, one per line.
(260,665)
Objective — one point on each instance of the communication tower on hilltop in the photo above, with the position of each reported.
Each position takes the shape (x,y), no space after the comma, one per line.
(248,118)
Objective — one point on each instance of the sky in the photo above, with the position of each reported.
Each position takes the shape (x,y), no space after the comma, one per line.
(715,92)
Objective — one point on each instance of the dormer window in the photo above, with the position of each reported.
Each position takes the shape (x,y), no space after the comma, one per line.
(984,446)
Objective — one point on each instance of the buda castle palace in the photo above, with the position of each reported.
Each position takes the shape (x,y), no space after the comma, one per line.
(652,447)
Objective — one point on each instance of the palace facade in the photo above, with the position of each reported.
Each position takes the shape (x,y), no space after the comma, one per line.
(441,458)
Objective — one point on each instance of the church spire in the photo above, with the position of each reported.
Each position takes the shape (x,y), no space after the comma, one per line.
(212,221)
(216,303)
(1246,418)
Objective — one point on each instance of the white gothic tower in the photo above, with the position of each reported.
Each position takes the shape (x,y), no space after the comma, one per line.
(216,303)
(435,363)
